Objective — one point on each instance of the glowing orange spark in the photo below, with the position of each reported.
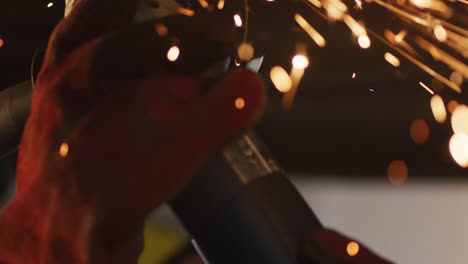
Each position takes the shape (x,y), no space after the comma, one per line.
(238,20)
(458,147)
(452,105)
(161,29)
(300,62)
(203,3)
(397,172)
(221,4)
(352,248)
(460,119)
(364,41)
(438,109)
(1,42)
(390,58)
(456,78)
(173,53)
(426,87)
(313,33)
(440,33)
(49,5)
(64,148)
(281,79)
(185,11)
(245,51)
(239,103)
(419,131)
(316,3)
(355,27)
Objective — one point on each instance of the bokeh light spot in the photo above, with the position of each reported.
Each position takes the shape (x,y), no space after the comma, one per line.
(397,172)
(352,248)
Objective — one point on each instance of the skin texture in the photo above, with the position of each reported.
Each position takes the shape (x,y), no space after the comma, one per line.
(137,128)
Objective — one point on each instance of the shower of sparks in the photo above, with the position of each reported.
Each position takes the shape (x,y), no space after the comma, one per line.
(390,58)
(433,27)
(221,4)
(313,33)
(426,87)
(238,20)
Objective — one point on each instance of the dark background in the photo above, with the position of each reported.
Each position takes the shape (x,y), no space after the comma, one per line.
(338,126)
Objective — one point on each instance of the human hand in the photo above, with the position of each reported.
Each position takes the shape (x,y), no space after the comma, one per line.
(116,129)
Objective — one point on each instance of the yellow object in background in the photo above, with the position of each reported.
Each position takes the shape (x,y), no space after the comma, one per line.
(160,243)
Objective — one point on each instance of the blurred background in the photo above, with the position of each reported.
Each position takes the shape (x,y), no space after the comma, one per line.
(360,140)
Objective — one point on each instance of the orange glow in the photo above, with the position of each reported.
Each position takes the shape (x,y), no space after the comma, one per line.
(352,248)
(245,51)
(1,42)
(397,172)
(281,79)
(458,147)
(438,109)
(64,148)
(203,3)
(173,53)
(221,4)
(419,131)
(161,30)
(239,103)
(460,119)
(364,41)
(185,11)
(452,105)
